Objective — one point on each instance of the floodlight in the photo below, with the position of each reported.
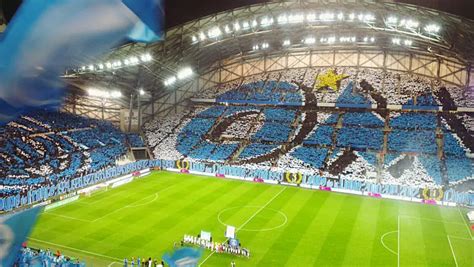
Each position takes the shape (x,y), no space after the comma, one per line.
(194,38)
(214,32)
(298,18)
(408,42)
(392,20)
(286,42)
(309,40)
(184,73)
(411,24)
(101,66)
(266,21)
(169,81)
(202,36)
(311,17)
(372,39)
(327,16)
(340,16)
(282,19)
(432,28)
(116,94)
(351,16)
(141,91)
(108,65)
(396,41)
(227,29)
(245,25)
(254,23)
(236,26)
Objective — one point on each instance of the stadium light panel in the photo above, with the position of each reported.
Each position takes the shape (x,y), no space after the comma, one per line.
(411,24)
(116,94)
(101,66)
(396,41)
(236,26)
(366,39)
(254,23)
(311,17)
(184,73)
(309,40)
(432,28)
(282,19)
(392,20)
(202,36)
(297,18)
(227,29)
(265,22)
(214,32)
(169,81)
(245,25)
(141,91)
(265,46)
(108,65)
(340,16)
(408,42)
(351,16)
(286,42)
(91,67)
(327,16)
(194,39)
(126,62)
(146,57)
(83,68)
(331,40)
(372,39)
(255,47)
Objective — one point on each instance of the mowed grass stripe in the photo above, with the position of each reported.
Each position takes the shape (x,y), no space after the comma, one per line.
(323,228)
(336,244)
(363,237)
(250,217)
(283,246)
(387,221)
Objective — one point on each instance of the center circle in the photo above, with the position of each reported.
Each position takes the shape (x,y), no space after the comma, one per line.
(260,209)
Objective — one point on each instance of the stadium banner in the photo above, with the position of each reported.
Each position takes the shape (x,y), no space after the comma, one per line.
(432,194)
(267,175)
(293,177)
(14,229)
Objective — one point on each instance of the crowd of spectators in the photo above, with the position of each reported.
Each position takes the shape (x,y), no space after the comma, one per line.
(47,147)
(411,148)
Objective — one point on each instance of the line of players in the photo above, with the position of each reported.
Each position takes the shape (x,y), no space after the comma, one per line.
(145,263)
(215,246)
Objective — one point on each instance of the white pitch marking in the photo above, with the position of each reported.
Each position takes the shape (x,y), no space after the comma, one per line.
(251,217)
(464,222)
(452,251)
(67,217)
(74,249)
(398,251)
(383,244)
(131,205)
(431,220)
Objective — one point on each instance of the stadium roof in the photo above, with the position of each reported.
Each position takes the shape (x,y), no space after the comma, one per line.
(245,31)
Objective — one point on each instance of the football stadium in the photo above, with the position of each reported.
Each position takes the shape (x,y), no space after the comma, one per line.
(264,133)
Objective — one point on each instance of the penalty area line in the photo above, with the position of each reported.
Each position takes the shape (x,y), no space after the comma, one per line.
(452,251)
(75,249)
(465,223)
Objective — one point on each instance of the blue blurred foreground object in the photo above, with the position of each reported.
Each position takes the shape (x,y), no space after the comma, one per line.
(14,229)
(183,257)
(48,36)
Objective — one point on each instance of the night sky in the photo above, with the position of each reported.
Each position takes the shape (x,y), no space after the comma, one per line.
(180,11)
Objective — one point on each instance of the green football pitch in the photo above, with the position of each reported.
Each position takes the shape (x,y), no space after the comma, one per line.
(282,226)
